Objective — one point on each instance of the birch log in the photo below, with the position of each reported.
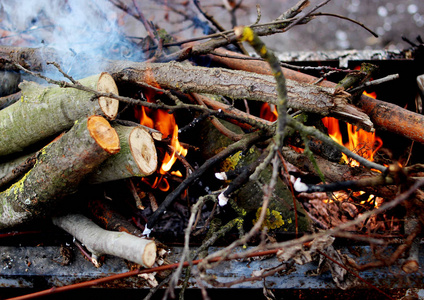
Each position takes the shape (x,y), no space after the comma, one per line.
(45,111)
(100,241)
(59,169)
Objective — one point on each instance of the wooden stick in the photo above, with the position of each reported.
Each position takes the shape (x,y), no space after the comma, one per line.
(59,169)
(383,115)
(43,112)
(100,242)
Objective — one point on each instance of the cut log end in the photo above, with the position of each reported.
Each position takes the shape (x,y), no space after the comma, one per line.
(149,255)
(105,136)
(143,150)
(109,106)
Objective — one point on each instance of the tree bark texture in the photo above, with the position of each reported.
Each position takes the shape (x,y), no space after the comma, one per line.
(100,241)
(335,172)
(59,169)
(45,111)
(249,196)
(137,158)
(240,85)
(230,83)
(383,115)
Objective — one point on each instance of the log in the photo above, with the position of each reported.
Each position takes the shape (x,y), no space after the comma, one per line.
(100,241)
(137,158)
(59,169)
(230,83)
(240,85)
(45,111)
(383,115)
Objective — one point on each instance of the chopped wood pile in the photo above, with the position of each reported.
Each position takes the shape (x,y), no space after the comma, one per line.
(200,139)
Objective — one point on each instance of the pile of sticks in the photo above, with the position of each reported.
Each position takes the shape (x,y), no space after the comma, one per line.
(85,142)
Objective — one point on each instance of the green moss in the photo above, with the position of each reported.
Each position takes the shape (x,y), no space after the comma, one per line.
(273,219)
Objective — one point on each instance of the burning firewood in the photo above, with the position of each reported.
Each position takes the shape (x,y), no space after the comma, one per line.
(45,111)
(383,115)
(58,171)
(100,242)
(251,155)
(137,157)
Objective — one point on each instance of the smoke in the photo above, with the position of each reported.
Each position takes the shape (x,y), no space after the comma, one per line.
(74,28)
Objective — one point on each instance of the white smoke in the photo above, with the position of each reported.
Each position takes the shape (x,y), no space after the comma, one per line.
(72,27)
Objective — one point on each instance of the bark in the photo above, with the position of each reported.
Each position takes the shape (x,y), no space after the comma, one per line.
(59,169)
(106,216)
(383,115)
(240,85)
(45,111)
(9,100)
(100,242)
(230,83)
(137,158)
(412,226)
(249,194)
(335,172)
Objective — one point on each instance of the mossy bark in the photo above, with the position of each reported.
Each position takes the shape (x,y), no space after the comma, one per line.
(137,158)
(281,216)
(45,111)
(59,169)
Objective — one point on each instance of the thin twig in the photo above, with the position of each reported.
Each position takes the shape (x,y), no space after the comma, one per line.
(374,82)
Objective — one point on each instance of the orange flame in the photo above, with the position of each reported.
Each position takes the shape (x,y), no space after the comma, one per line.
(360,141)
(143,117)
(267,113)
(166,124)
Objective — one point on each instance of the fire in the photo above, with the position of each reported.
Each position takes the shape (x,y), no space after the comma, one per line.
(267,113)
(360,141)
(143,117)
(166,124)
(169,160)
